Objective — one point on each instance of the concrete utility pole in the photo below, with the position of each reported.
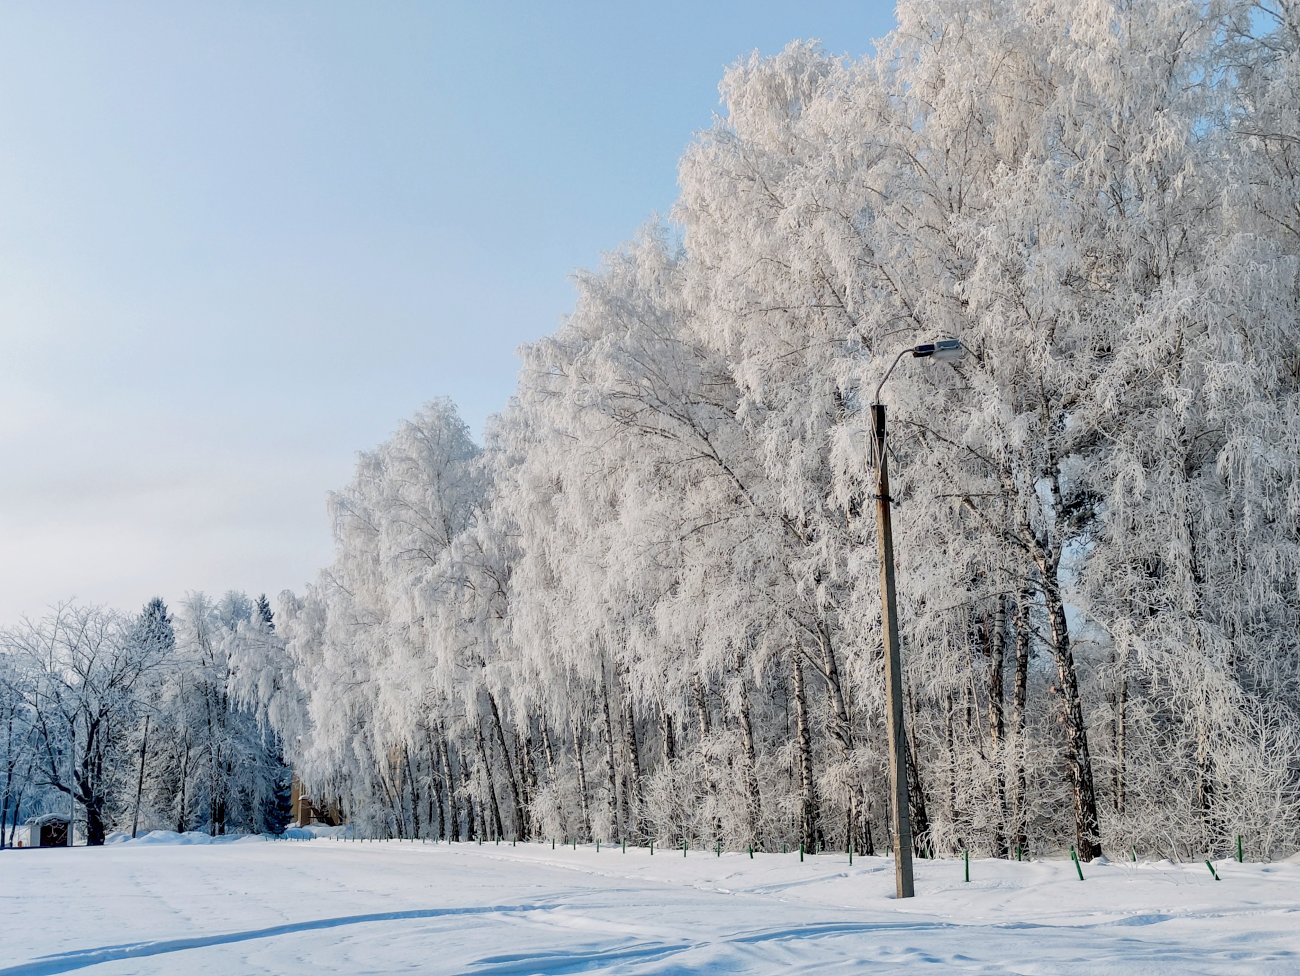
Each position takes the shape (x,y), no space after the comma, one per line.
(900,816)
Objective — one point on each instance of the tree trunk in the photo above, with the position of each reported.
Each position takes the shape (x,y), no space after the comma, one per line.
(670,742)
(1205,787)
(510,769)
(753,807)
(139,783)
(414,789)
(1120,733)
(701,700)
(14,812)
(840,727)
(548,748)
(611,764)
(1078,758)
(527,784)
(633,782)
(487,775)
(435,795)
(584,801)
(950,747)
(997,729)
(1019,703)
(922,836)
(95,832)
(449,776)
(470,825)
(181,824)
(809,818)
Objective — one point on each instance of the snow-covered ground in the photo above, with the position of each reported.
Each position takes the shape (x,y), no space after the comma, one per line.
(328,906)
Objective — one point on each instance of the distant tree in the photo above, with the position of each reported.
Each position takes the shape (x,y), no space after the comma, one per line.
(16,745)
(87,675)
(262,609)
(154,629)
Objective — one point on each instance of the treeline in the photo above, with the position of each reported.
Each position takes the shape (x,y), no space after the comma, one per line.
(131,720)
(649,606)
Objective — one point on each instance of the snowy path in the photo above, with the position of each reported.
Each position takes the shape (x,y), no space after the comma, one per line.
(331,907)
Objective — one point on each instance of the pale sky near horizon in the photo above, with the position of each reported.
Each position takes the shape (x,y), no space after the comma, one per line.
(240,242)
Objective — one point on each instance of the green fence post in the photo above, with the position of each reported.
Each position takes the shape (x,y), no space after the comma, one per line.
(1239,851)
(683,848)
(850,853)
(751,852)
(1210,865)
(1077,866)
(965,855)
(800,852)
(652,847)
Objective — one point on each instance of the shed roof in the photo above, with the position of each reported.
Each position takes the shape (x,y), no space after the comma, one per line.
(47,818)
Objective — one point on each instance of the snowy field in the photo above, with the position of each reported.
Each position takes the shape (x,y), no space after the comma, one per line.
(325,906)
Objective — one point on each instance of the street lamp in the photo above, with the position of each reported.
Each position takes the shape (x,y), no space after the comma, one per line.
(945,350)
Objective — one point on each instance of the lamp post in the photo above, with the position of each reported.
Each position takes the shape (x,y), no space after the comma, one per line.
(945,350)
(72,783)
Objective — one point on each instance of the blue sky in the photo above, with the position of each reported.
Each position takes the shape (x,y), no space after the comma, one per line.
(239,242)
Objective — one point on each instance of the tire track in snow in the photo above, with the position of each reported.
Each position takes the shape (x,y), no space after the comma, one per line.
(66,962)
(561,962)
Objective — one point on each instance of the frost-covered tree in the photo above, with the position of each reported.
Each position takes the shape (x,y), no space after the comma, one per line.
(649,607)
(84,678)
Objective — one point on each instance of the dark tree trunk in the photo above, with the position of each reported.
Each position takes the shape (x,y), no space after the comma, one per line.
(414,789)
(996,644)
(470,824)
(139,783)
(527,784)
(922,836)
(633,753)
(487,776)
(670,742)
(584,801)
(548,748)
(181,813)
(1077,757)
(1019,703)
(520,814)
(809,818)
(1121,735)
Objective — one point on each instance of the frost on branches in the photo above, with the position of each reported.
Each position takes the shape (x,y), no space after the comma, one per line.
(647,607)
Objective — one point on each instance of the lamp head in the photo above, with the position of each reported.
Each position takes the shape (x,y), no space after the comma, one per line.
(943,351)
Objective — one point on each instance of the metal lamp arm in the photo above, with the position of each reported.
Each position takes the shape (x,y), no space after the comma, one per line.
(885,379)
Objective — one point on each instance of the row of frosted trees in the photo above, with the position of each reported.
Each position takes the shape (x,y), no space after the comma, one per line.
(648,607)
(131,723)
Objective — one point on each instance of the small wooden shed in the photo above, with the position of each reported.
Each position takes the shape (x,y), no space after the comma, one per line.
(50,830)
